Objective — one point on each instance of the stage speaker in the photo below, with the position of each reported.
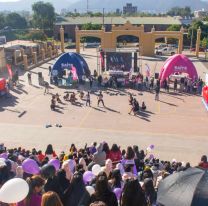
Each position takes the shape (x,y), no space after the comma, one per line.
(156,75)
(102,58)
(135,62)
(40,75)
(64,72)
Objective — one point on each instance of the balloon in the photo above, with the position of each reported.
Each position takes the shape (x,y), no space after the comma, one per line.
(152,146)
(55,163)
(14,191)
(118,192)
(4,155)
(88,176)
(183,164)
(90,190)
(96,169)
(48,171)
(72,165)
(151,156)
(2,159)
(2,163)
(30,166)
(174,160)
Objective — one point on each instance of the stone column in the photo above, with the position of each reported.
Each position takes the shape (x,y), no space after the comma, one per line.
(25,62)
(31,51)
(15,57)
(45,46)
(198,41)
(77,39)
(56,51)
(53,44)
(62,39)
(180,41)
(22,52)
(34,57)
(43,54)
(50,52)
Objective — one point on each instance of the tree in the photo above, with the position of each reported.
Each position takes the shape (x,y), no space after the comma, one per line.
(90,26)
(43,15)
(177,11)
(2,21)
(37,35)
(192,31)
(15,21)
(204,42)
(174,27)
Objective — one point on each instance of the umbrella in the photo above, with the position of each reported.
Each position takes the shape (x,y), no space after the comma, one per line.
(186,188)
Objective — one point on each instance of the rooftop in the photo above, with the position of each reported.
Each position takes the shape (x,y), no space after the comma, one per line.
(18,43)
(121,20)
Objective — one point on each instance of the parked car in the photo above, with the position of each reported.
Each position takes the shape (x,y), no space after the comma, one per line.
(160,46)
(201,49)
(166,51)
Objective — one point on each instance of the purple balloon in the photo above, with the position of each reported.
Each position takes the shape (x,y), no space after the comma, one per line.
(30,166)
(55,163)
(4,155)
(152,146)
(117,192)
(88,176)
(151,156)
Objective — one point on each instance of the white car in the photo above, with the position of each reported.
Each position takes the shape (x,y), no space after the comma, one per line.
(166,51)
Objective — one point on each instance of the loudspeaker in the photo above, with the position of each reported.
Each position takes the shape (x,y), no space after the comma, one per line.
(156,75)
(135,62)
(40,75)
(64,72)
(102,58)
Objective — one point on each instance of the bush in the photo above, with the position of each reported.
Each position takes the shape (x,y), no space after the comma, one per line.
(36,35)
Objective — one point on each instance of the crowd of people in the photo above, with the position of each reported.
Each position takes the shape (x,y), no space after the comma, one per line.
(126,177)
(74,100)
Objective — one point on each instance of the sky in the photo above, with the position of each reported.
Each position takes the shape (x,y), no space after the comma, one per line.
(8,0)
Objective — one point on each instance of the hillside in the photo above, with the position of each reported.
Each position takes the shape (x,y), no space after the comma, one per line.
(27,4)
(147,5)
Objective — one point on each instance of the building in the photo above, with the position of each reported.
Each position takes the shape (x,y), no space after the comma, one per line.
(70,23)
(200,13)
(129,9)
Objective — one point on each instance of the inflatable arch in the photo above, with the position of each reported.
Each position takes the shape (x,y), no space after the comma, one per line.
(178,63)
(71,60)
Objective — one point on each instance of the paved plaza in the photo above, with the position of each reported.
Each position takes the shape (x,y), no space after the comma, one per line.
(176,125)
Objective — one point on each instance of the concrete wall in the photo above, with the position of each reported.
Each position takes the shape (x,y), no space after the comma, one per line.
(2,59)
(69,30)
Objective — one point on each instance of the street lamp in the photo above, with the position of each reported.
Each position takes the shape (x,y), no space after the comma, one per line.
(192,32)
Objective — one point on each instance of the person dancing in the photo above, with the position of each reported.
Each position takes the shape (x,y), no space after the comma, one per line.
(100,99)
(88,99)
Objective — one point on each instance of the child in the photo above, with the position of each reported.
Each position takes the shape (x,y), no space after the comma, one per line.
(143,106)
(88,99)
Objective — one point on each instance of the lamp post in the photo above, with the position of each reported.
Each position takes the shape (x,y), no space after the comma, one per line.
(192,32)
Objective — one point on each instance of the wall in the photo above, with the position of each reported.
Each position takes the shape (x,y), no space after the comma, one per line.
(2,59)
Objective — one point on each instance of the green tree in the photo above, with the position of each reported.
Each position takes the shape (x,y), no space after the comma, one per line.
(15,21)
(36,35)
(192,31)
(90,26)
(174,27)
(177,11)
(43,15)
(204,42)
(2,20)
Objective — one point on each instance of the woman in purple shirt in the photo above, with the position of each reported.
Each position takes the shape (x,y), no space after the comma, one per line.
(34,197)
